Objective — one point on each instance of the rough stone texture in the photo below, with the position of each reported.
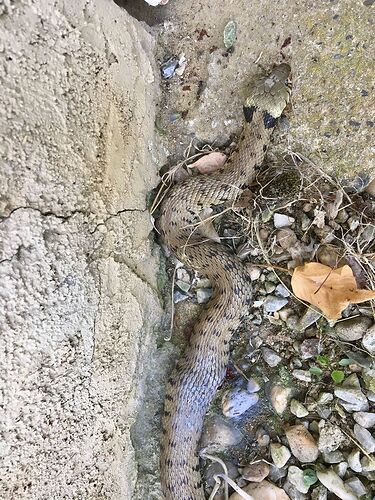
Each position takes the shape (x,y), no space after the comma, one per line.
(329,46)
(78,295)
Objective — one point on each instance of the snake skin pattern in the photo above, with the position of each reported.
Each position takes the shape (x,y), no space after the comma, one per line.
(201,369)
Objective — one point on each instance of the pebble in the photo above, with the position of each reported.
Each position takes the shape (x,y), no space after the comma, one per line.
(219,434)
(368,340)
(295,476)
(203,295)
(302,375)
(319,493)
(256,472)
(352,382)
(353,396)
(333,457)
(357,486)
(281,291)
(330,437)
(335,484)
(324,398)
(281,220)
(179,297)
(203,283)
(365,419)
(262,491)
(236,401)
(354,460)
(169,67)
(279,397)
(302,444)
(364,438)
(216,468)
(254,272)
(310,348)
(273,303)
(280,454)
(298,409)
(270,357)
(262,437)
(182,285)
(276,473)
(368,377)
(368,464)
(309,317)
(252,385)
(292,491)
(269,287)
(352,329)
(341,469)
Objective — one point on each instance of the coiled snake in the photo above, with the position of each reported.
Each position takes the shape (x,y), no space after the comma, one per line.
(202,367)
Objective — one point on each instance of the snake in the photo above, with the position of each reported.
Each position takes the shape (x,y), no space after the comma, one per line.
(202,367)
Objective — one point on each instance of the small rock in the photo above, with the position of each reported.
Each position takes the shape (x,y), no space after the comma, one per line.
(292,491)
(352,329)
(310,348)
(219,434)
(262,491)
(204,295)
(357,486)
(368,464)
(309,317)
(295,476)
(352,382)
(335,484)
(353,396)
(302,444)
(269,287)
(236,401)
(333,457)
(252,386)
(215,468)
(280,454)
(262,437)
(354,461)
(276,473)
(364,419)
(169,67)
(183,275)
(368,340)
(324,398)
(286,238)
(281,220)
(281,291)
(203,283)
(179,297)
(330,437)
(368,377)
(365,438)
(298,409)
(273,304)
(341,469)
(270,357)
(279,397)
(182,285)
(254,272)
(256,472)
(302,375)
(319,493)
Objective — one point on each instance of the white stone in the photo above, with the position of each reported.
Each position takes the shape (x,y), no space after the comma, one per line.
(365,438)
(236,401)
(354,460)
(364,419)
(280,454)
(298,409)
(281,220)
(295,476)
(335,484)
(302,443)
(368,340)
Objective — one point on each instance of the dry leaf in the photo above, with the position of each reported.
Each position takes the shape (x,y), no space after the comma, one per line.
(209,163)
(207,228)
(331,290)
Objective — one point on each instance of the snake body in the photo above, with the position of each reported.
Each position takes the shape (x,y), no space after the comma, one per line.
(201,369)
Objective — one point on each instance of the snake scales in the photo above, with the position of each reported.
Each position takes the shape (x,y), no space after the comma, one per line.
(202,367)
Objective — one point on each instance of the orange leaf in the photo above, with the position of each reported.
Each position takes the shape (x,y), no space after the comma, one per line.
(331,290)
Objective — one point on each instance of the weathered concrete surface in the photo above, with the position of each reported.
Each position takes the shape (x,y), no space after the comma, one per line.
(78,272)
(330,47)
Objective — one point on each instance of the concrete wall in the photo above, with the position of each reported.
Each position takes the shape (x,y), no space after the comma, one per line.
(78,292)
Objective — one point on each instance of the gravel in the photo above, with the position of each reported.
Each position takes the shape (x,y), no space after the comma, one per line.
(352,329)
(302,443)
(273,303)
(364,438)
(280,454)
(236,401)
(270,357)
